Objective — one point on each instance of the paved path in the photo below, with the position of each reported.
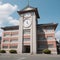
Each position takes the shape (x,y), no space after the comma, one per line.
(28,57)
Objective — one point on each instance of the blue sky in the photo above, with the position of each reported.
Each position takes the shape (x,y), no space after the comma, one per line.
(49,11)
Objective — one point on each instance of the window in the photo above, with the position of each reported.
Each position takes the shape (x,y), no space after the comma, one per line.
(42,46)
(26,39)
(41,38)
(13,46)
(6,34)
(26,31)
(14,33)
(5,40)
(49,29)
(50,46)
(49,37)
(15,40)
(40,30)
(5,47)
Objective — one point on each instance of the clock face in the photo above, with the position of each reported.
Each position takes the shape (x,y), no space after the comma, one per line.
(27,23)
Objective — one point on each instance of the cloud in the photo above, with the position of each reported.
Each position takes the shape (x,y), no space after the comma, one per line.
(13,21)
(6,10)
(57,35)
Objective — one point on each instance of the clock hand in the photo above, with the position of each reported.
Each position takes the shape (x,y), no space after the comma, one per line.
(27,22)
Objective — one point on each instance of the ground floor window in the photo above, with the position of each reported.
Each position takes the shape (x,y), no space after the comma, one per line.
(50,45)
(5,47)
(13,46)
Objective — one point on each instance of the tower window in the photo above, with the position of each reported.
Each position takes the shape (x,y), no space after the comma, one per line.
(26,31)
(26,39)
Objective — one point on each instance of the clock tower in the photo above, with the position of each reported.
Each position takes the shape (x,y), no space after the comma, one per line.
(27,30)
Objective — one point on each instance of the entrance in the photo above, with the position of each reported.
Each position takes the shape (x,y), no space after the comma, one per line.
(27,49)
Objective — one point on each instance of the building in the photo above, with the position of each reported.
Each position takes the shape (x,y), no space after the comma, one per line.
(29,36)
(58,46)
(0,42)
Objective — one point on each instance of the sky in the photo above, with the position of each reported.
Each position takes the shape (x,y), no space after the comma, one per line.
(49,11)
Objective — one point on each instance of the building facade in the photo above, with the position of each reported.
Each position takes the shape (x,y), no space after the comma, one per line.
(0,42)
(29,36)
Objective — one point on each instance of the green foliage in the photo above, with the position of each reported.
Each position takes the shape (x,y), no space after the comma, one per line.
(2,51)
(13,51)
(46,51)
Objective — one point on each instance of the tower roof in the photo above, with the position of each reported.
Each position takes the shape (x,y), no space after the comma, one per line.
(29,9)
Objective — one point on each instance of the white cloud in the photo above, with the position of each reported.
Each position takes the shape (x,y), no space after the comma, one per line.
(13,21)
(6,10)
(57,35)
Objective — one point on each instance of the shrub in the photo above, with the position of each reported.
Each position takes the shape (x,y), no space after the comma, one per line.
(2,51)
(13,51)
(46,51)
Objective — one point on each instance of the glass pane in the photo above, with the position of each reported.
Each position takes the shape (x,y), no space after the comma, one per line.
(26,31)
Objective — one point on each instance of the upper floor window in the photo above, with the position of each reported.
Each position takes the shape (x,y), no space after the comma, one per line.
(14,40)
(41,38)
(26,39)
(40,30)
(14,33)
(49,29)
(49,37)
(5,40)
(26,31)
(6,34)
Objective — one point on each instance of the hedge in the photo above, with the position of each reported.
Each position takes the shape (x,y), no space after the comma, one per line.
(46,51)
(12,51)
(2,51)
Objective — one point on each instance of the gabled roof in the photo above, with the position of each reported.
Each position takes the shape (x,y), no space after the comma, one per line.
(10,28)
(29,9)
(54,25)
